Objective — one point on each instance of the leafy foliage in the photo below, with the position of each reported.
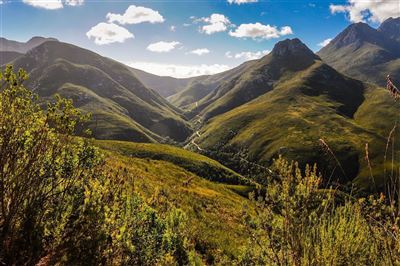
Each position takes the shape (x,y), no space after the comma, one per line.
(60,203)
(298,223)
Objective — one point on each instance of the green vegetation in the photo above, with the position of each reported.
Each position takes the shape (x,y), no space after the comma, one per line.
(298,223)
(193,162)
(122,107)
(61,203)
(292,118)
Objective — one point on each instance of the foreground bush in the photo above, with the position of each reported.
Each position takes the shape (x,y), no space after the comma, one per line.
(298,223)
(60,203)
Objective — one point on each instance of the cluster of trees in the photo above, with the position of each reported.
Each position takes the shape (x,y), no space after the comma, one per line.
(60,203)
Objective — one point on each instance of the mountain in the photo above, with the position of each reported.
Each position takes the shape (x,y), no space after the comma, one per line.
(391,28)
(22,47)
(365,53)
(6,57)
(256,78)
(122,107)
(199,87)
(165,86)
(286,103)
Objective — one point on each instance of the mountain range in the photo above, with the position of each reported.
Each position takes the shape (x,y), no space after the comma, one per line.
(313,108)
(365,53)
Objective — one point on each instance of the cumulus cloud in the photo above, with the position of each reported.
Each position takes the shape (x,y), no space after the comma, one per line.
(247,55)
(162,47)
(362,11)
(178,71)
(106,33)
(325,42)
(200,52)
(74,2)
(241,1)
(52,4)
(215,23)
(260,31)
(172,28)
(135,15)
(46,4)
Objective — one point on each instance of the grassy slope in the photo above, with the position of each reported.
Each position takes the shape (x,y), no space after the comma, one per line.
(365,53)
(214,209)
(293,117)
(200,87)
(53,66)
(193,162)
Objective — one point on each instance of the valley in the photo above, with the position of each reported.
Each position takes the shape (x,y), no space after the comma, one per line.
(199,169)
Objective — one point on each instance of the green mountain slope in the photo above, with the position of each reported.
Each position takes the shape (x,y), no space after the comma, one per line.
(199,87)
(365,53)
(165,172)
(292,115)
(256,79)
(122,107)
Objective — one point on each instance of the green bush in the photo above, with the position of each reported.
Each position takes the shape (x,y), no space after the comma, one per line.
(299,223)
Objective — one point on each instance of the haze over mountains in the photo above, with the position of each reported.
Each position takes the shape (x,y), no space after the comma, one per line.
(283,103)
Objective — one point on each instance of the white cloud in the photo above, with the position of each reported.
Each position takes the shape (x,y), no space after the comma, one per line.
(162,47)
(178,71)
(200,52)
(172,28)
(325,42)
(241,1)
(46,4)
(106,33)
(260,31)
(215,23)
(362,11)
(247,55)
(135,15)
(74,2)
(52,4)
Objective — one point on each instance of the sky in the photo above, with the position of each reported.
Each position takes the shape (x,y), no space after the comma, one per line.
(184,38)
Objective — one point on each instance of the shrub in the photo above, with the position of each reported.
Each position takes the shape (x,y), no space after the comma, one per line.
(299,223)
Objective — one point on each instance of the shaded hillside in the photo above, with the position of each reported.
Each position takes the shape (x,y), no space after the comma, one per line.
(7,57)
(122,107)
(365,53)
(22,47)
(310,102)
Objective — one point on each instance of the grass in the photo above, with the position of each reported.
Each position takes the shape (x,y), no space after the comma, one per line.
(193,162)
(101,85)
(292,118)
(213,208)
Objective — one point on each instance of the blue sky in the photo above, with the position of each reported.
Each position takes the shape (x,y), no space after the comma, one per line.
(186,38)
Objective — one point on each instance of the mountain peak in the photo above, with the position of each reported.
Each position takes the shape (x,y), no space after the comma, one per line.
(37,39)
(293,48)
(391,28)
(356,33)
